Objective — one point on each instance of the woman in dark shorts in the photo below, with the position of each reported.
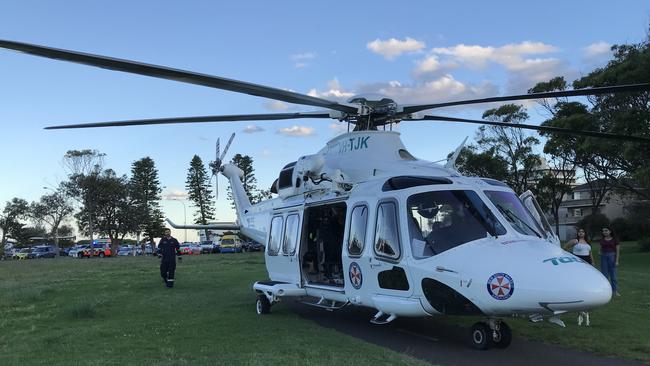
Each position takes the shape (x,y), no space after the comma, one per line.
(581,248)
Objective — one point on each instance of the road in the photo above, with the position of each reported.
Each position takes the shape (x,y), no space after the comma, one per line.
(439,343)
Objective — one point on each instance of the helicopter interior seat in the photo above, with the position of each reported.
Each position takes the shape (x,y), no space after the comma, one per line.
(419,246)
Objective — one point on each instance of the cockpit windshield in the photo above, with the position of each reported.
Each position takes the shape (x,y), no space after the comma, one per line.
(517,215)
(441,220)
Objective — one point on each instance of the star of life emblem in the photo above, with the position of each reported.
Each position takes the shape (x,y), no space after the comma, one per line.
(356,278)
(500,286)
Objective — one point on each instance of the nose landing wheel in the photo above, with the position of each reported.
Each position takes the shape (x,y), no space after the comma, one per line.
(493,333)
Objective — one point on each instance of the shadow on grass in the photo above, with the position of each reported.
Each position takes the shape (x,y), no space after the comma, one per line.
(85,310)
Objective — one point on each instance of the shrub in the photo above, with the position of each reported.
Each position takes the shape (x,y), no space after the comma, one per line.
(644,244)
(84,310)
(623,229)
(593,224)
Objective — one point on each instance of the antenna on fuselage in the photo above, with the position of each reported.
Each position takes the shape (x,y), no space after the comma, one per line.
(451,161)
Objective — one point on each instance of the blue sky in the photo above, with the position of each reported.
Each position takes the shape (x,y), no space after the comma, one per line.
(420,52)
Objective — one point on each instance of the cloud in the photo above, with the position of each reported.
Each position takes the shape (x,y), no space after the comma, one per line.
(598,51)
(526,63)
(511,56)
(339,127)
(296,131)
(334,92)
(444,88)
(303,56)
(252,129)
(176,195)
(394,47)
(266,152)
(301,59)
(276,105)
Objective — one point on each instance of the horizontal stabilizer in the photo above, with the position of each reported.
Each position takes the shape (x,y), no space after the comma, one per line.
(214,226)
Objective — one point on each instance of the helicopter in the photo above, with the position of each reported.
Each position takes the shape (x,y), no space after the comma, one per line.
(363,222)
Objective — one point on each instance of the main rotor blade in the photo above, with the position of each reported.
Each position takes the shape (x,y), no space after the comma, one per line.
(554,94)
(176,75)
(537,128)
(199,119)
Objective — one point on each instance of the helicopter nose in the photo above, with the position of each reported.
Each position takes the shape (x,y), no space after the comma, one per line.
(581,287)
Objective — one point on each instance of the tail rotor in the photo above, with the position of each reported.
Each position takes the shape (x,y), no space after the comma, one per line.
(215,165)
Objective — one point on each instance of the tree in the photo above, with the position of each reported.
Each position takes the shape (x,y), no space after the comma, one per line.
(199,192)
(52,209)
(512,145)
(552,188)
(84,168)
(28,232)
(558,180)
(13,212)
(114,210)
(621,164)
(255,195)
(486,164)
(145,196)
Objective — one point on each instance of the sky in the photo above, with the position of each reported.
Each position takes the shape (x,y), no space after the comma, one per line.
(413,52)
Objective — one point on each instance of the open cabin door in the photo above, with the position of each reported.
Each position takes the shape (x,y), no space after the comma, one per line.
(282,247)
(529,201)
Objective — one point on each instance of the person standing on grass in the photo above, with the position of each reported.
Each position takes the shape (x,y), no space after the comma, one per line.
(581,248)
(610,251)
(169,250)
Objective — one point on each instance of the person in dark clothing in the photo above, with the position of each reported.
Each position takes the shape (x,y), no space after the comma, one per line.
(610,252)
(169,248)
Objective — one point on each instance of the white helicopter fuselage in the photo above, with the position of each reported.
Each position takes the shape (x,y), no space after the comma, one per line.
(514,270)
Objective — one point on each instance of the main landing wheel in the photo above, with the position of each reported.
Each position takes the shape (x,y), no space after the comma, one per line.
(503,336)
(481,336)
(262,306)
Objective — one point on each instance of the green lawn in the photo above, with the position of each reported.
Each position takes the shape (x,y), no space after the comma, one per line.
(621,328)
(116,311)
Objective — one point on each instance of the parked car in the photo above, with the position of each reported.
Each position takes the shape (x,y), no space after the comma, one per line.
(253,246)
(207,247)
(22,254)
(148,250)
(80,251)
(101,250)
(126,250)
(231,244)
(63,252)
(41,251)
(190,249)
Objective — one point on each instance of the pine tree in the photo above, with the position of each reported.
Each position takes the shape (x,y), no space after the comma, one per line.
(199,192)
(145,194)
(245,163)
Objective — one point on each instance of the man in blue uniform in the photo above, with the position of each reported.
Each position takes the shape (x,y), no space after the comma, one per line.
(169,248)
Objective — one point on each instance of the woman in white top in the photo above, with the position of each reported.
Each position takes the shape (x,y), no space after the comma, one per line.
(581,248)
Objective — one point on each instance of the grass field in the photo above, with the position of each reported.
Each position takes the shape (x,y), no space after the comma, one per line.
(116,311)
(621,328)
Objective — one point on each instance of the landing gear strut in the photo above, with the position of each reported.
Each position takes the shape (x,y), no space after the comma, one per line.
(493,333)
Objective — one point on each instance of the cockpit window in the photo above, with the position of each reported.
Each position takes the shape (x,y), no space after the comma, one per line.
(441,220)
(512,209)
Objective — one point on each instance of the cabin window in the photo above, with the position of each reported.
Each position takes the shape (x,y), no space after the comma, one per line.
(442,220)
(386,232)
(290,235)
(276,235)
(357,235)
